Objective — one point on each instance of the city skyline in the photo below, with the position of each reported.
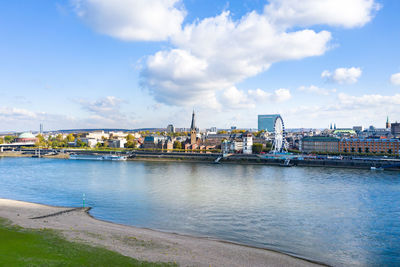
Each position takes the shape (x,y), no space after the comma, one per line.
(105,64)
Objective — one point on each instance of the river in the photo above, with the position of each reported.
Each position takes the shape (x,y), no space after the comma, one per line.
(341,217)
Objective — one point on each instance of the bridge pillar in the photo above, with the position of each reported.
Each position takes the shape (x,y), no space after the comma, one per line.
(1,149)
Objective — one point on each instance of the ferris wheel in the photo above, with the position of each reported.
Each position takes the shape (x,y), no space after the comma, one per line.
(279,144)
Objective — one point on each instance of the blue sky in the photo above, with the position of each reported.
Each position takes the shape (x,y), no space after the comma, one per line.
(132,63)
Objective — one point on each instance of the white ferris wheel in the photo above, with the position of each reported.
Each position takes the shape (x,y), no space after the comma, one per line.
(279,144)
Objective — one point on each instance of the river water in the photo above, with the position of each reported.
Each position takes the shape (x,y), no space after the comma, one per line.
(341,217)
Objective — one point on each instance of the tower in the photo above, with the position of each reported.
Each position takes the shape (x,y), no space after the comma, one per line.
(193,138)
(387,123)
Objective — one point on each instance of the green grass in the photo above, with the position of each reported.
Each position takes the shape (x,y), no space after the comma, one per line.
(28,247)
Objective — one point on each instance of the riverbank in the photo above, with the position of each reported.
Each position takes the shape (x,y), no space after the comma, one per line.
(253,159)
(139,243)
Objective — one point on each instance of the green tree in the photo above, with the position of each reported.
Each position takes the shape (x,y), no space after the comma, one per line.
(257,148)
(8,138)
(177,145)
(1,140)
(222,132)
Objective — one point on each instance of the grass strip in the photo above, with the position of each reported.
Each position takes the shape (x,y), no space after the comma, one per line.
(30,247)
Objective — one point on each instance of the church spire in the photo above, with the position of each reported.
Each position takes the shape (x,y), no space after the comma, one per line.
(193,125)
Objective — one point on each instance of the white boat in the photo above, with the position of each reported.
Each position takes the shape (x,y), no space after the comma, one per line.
(114,157)
(377,168)
(85,157)
(97,157)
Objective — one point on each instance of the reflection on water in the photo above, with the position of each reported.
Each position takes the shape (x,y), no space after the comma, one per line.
(337,216)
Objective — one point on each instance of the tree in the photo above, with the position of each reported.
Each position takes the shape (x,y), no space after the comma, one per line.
(177,145)
(8,138)
(130,138)
(40,140)
(257,148)
(222,132)
(390,151)
(70,138)
(1,140)
(131,144)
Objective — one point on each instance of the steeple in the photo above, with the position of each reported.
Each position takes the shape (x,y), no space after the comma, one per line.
(193,125)
(387,123)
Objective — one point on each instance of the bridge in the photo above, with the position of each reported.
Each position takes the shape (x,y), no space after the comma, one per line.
(13,145)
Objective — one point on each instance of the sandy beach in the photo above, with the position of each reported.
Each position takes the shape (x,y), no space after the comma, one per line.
(143,244)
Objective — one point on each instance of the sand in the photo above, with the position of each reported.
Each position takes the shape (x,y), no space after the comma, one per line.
(140,243)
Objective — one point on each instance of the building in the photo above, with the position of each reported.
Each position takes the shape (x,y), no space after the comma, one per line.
(90,142)
(319,144)
(395,129)
(247,143)
(358,129)
(344,132)
(372,145)
(117,143)
(387,123)
(26,138)
(267,122)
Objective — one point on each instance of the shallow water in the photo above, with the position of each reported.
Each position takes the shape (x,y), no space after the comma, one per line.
(336,216)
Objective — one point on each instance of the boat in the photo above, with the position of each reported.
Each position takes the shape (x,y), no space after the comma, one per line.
(97,157)
(86,157)
(377,169)
(114,157)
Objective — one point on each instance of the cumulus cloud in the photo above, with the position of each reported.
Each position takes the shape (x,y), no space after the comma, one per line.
(208,57)
(344,13)
(235,98)
(132,20)
(216,53)
(342,75)
(395,79)
(9,113)
(312,89)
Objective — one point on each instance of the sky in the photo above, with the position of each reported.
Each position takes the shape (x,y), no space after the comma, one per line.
(149,63)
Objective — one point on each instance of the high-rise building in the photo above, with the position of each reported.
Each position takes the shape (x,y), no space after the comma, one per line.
(395,129)
(267,122)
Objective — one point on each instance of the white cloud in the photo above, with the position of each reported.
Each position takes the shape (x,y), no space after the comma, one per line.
(312,89)
(375,100)
(8,113)
(395,79)
(235,98)
(216,53)
(132,20)
(344,13)
(208,57)
(343,75)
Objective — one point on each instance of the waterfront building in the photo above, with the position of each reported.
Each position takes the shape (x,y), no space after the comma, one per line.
(267,122)
(369,145)
(90,142)
(319,144)
(247,143)
(26,138)
(117,143)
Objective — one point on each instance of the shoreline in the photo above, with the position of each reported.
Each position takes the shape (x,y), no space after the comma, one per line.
(239,160)
(77,224)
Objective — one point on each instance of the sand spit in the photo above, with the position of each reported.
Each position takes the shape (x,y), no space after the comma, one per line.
(144,244)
